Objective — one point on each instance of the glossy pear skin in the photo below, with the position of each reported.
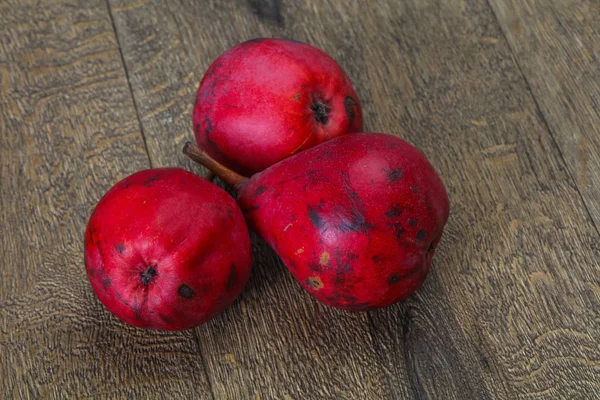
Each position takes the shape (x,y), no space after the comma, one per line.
(356,219)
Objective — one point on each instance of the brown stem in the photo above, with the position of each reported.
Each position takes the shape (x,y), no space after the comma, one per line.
(228,176)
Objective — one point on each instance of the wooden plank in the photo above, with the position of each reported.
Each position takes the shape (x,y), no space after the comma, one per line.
(276,342)
(557,46)
(512,306)
(68,131)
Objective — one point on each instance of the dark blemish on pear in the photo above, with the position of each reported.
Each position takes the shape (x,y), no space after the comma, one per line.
(231,280)
(394,211)
(349,298)
(148,182)
(349,104)
(207,132)
(355,222)
(259,190)
(393,175)
(126,303)
(398,230)
(106,283)
(165,318)
(120,248)
(185,291)
(415,189)
(421,234)
(412,222)
(394,279)
(315,218)
(377,259)
(316,267)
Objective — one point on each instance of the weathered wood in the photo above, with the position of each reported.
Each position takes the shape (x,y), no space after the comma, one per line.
(512,306)
(557,46)
(501,315)
(68,131)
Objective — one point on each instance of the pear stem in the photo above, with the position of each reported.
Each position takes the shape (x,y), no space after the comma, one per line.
(225,174)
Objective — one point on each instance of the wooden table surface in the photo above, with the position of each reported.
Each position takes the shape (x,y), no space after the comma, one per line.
(502,95)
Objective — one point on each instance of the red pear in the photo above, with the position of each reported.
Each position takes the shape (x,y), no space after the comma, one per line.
(166,249)
(356,219)
(266,99)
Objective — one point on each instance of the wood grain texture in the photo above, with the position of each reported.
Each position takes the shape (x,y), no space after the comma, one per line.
(511,307)
(557,46)
(68,131)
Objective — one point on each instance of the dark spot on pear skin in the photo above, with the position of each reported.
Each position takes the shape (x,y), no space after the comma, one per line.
(393,175)
(349,299)
(398,230)
(415,189)
(231,280)
(185,291)
(377,259)
(315,267)
(394,211)
(134,307)
(349,104)
(340,277)
(120,248)
(315,218)
(259,190)
(207,133)
(149,182)
(394,279)
(355,222)
(412,222)
(165,318)
(421,234)
(106,282)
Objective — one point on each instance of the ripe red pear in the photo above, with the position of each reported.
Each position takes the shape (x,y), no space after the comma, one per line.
(266,99)
(166,249)
(356,219)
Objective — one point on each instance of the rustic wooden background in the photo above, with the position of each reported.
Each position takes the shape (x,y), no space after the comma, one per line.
(502,95)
